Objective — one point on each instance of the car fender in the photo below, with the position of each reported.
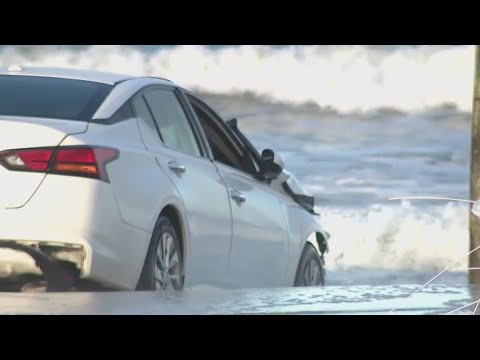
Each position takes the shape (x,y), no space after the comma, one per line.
(303,228)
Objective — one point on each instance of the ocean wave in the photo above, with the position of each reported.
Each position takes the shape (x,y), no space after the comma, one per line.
(348,78)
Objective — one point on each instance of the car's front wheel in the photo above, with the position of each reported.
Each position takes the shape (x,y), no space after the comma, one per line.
(163,266)
(310,270)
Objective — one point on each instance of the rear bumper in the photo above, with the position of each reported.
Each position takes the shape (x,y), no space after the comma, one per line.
(56,216)
(19,257)
(58,278)
(77,213)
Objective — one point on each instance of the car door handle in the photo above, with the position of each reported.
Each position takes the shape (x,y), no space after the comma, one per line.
(176,166)
(237,196)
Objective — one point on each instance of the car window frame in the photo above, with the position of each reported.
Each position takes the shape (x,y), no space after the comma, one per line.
(231,136)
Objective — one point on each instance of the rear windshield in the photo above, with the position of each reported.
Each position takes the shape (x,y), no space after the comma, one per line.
(47,97)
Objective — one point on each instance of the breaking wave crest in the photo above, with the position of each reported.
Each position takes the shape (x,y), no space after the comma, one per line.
(347,78)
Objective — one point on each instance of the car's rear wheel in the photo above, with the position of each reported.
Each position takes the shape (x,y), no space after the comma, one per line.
(310,269)
(163,266)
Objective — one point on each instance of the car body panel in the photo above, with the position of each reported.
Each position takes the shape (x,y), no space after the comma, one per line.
(204,196)
(259,237)
(79,211)
(26,132)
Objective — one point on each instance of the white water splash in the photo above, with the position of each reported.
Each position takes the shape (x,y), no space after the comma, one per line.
(396,237)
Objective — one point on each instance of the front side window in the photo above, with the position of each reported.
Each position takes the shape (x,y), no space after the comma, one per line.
(172,122)
(47,97)
(224,149)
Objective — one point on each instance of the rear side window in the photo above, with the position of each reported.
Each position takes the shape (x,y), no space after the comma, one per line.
(46,97)
(143,112)
(172,122)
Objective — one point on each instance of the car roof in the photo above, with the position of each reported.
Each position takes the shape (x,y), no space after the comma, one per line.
(74,74)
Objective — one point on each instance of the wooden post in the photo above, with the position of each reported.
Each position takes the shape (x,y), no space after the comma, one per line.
(474,222)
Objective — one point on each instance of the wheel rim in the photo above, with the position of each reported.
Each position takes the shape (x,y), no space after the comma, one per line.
(167,264)
(312,276)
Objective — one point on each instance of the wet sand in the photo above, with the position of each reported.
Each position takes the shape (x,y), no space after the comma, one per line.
(380,300)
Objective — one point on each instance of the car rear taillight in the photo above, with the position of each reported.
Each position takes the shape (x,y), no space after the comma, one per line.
(69,160)
(27,159)
(83,161)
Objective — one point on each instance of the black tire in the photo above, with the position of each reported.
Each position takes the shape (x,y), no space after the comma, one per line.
(309,262)
(164,233)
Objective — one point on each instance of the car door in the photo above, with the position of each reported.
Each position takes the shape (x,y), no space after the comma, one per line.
(260,237)
(170,134)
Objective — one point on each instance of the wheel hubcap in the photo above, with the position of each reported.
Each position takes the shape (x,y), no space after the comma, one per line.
(312,275)
(167,265)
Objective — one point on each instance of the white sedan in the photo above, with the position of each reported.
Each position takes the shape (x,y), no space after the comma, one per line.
(136,184)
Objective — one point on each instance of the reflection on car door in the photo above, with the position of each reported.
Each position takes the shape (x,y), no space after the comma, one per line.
(260,240)
(168,133)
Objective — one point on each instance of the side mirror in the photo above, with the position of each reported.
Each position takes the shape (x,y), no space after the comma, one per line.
(476,208)
(272,165)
